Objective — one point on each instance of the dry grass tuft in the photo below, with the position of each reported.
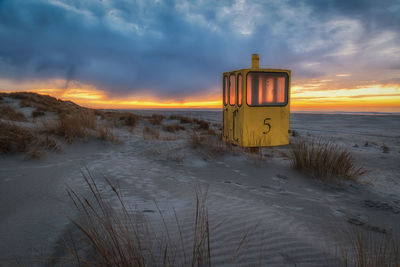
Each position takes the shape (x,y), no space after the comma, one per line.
(107,134)
(73,126)
(100,113)
(156,119)
(174,117)
(202,125)
(371,250)
(9,113)
(14,138)
(150,133)
(48,143)
(212,132)
(182,119)
(294,133)
(119,118)
(253,150)
(385,149)
(254,155)
(196,140)
(34,153)
(324,160)
(130,120)
(185,120)
(118,238)
(45,102)
(172,128)
(38,112)
(209,145)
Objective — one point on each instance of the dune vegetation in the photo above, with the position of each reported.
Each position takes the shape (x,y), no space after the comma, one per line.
(117,236)
(52,121)
(324,160)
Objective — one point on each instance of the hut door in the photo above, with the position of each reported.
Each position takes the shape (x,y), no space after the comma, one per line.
(232,106)
(234,124)
(225,126)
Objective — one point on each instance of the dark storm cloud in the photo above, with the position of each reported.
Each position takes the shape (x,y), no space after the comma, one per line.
(383,12)
(178,47)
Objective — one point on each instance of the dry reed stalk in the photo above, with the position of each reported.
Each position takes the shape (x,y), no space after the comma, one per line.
(118,239)
(371,250)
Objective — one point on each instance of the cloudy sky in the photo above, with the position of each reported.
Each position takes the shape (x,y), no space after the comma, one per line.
(165,51)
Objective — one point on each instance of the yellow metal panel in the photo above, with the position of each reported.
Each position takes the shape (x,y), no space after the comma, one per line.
(249,126)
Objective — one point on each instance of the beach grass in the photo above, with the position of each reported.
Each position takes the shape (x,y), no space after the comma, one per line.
(324,160)
(117,238)
(369,249)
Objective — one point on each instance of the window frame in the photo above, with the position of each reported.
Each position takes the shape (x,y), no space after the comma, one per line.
(279,74)
(234,89)
(237,90)
(224,91)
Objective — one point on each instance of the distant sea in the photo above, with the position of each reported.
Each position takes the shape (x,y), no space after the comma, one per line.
(349,113)
(185,110)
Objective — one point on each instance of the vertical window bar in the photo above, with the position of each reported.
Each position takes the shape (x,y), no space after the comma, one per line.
(239,89)
(232,89)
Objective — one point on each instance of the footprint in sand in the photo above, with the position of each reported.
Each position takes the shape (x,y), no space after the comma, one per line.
(240,173)
(278,189)
(281,176)
(148,211)
(234,183)
(288,259)
(365,225)
(383,206)
(295,208)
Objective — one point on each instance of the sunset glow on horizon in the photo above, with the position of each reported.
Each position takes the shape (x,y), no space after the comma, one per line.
(303,98)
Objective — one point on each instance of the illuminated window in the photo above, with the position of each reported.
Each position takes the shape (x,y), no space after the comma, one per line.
(267,89)
(239,87)
(225,90)
(232,87)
